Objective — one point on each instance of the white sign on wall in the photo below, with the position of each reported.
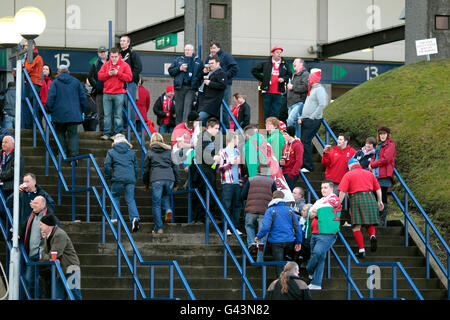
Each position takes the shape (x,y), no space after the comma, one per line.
(426,47)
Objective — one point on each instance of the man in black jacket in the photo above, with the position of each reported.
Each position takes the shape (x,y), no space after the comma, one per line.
(274,74)
(230,66)
(211,91)
(132,58)
(98,84)
(164,109)
(29,190)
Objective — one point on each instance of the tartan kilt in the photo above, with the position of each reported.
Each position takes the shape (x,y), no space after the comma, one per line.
(364,208)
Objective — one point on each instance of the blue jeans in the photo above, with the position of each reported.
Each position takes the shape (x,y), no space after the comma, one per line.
(164,128)
(112,106)
(71,147)
(250,221)
(294,111)
(116,190)
(30,274)
(132,88)
(309,130)
(231,194)
(320,244)
(8,122)
(203,117)
(160,197)
(271,104)
(279,251)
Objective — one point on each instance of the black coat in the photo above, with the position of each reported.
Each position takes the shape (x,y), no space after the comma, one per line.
(244,115)
(160,114)
(297,290)
(7,172)
(134,61)
(263,72)
(158,165)
(211,98)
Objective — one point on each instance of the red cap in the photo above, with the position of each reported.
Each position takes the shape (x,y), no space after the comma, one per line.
(282,126)
(169,88)
(276,48)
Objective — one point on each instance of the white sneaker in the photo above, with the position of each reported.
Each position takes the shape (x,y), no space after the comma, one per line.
(238,232)
(228,232)
(314,287)
(114,220)
(346,224)
(305,170)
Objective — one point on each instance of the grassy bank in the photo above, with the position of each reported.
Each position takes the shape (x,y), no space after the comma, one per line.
(414,101)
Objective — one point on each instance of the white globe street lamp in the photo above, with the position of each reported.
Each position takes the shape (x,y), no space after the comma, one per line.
(29,22)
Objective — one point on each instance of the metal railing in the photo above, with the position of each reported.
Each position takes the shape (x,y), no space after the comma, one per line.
(101,200)
(55,268)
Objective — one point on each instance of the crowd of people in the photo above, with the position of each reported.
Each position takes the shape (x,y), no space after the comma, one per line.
(258,169)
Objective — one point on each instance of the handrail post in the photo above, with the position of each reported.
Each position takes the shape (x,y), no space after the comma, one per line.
(119,240)
(207,218)
(47,140)
(171,281)
(329,264)
(427,249)
(244,273)
(73,188)
(406,221)
(189,194)
(88,193)
(348,276)
(103,216)
(59,178)
(264,275)
(394,282)
(135,273)
(152,281)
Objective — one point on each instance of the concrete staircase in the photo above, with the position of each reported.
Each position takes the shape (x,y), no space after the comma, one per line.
(201,264)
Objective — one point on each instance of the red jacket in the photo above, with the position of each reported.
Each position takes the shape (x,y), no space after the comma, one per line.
(143,103)
(293,155)
(386,160)
(114,84)
(336,162)
(43,94)
(35,69)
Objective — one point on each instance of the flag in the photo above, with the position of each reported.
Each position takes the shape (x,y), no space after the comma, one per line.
(257,150)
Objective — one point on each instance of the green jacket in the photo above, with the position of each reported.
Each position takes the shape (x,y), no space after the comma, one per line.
(276,140)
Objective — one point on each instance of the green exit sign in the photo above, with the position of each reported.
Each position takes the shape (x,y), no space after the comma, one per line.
(168,40)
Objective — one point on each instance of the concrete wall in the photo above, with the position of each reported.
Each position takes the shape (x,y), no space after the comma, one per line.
(256,26)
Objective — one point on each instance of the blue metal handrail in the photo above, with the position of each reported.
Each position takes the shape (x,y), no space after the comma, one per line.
(404,208)
(428,223)
(24,256)
(223,234)
(101,201)
(351,256)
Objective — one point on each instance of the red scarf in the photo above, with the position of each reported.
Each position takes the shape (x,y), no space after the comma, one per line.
(167,104)
(275,75)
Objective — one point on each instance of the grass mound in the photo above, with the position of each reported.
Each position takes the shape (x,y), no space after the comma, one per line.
(414,102)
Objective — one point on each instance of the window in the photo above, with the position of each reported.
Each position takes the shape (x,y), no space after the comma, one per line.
(218,11)
(441,22)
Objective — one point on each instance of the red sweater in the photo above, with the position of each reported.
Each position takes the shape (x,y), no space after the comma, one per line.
(358,180)
(293,155)
(114,84)
(336,162)
(143,103)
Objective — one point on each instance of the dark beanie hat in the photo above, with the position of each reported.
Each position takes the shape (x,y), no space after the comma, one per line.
(384,129)
(49,220)
(192,116)
(291,131)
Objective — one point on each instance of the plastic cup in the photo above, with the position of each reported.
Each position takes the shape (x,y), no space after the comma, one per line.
(54,255)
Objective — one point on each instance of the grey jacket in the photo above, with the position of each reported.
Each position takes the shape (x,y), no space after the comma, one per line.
(158,165)
(300,89)
(315,103)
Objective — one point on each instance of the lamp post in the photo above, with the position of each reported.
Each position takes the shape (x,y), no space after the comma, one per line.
(29,22)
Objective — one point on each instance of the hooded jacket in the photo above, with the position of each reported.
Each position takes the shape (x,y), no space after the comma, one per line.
(336,162)
(35,69)
(297,289)
(158,165)
(283,229)
(115,84)
(121,164)
(66,99)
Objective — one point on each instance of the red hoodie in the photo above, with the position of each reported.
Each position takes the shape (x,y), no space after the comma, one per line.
(293,155)
(114,84)
(336,162)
